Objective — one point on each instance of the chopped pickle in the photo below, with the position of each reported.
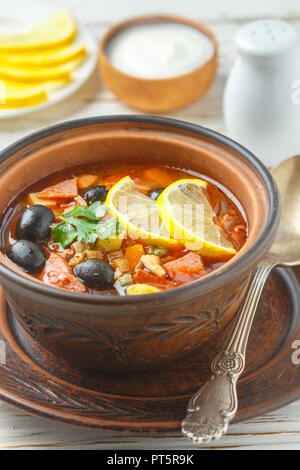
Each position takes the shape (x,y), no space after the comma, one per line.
(157,250)
(125,280)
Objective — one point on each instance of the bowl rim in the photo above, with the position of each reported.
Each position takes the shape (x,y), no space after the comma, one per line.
(135,20)
(211,282)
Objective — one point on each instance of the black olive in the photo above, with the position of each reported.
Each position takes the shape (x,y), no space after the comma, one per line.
(34,224)
(94,194)
(27,256)
(94,273)
(155,193)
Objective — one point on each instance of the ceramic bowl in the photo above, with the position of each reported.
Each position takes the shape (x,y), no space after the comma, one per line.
(157,95)
(146,331)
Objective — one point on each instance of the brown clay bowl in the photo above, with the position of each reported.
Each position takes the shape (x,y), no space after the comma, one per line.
(157,95)
(154,330)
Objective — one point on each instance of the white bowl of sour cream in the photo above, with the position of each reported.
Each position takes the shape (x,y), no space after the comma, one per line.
(158,63)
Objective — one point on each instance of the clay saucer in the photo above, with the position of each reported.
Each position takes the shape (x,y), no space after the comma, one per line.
(41,383)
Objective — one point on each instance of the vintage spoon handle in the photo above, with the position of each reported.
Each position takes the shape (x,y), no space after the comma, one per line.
(212,408)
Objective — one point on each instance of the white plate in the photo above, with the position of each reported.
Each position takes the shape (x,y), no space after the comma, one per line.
(79,76)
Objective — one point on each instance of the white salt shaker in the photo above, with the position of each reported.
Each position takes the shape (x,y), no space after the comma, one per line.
(261,108)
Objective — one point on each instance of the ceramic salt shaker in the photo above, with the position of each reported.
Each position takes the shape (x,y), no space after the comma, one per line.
(262,94)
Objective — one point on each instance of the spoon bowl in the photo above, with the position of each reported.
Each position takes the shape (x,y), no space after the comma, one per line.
(285,250)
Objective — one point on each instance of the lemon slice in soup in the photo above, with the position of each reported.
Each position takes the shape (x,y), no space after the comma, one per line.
(188,217)
(138,214)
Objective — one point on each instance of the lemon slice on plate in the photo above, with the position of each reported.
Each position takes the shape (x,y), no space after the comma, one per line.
(14,95)
(55,31)
(27,75)
(38,59)
(188,216)
(138,214)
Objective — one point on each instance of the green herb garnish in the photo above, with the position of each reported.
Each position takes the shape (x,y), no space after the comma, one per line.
(85,224)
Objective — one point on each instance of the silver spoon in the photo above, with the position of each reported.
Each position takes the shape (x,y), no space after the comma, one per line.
(212,408)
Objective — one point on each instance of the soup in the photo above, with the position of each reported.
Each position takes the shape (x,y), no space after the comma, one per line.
(123,230)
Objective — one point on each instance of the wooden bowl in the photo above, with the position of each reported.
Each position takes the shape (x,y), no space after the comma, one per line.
(145,331)
(157,95)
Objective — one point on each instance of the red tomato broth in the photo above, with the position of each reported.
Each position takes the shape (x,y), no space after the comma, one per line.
(146,178)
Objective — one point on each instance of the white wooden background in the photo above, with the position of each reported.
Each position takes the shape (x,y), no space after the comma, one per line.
(18,430)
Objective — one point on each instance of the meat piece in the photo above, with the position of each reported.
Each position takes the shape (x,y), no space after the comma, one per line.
(185,269)
(68,209)
(144,277)
(78,201)
(57,273)
(64,190)
(67,255)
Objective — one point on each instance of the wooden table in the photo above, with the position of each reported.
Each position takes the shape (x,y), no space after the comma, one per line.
(18,430)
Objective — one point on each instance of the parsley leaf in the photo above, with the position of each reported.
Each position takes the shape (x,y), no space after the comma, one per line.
(64,234)
(84,224)
(95,211)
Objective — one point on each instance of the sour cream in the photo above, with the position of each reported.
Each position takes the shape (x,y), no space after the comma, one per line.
(157,51)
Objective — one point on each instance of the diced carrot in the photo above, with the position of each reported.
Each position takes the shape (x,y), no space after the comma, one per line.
(145,277)
(85,181)
(185,269)
(65,190)
(159,175)
(133,255)
(80,201)
(57,273)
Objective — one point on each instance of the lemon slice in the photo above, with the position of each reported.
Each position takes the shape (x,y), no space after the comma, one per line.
(14,95)
(27,75)
(55,31)
(138,214)
(188,216)
(43,59)
(15,98)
